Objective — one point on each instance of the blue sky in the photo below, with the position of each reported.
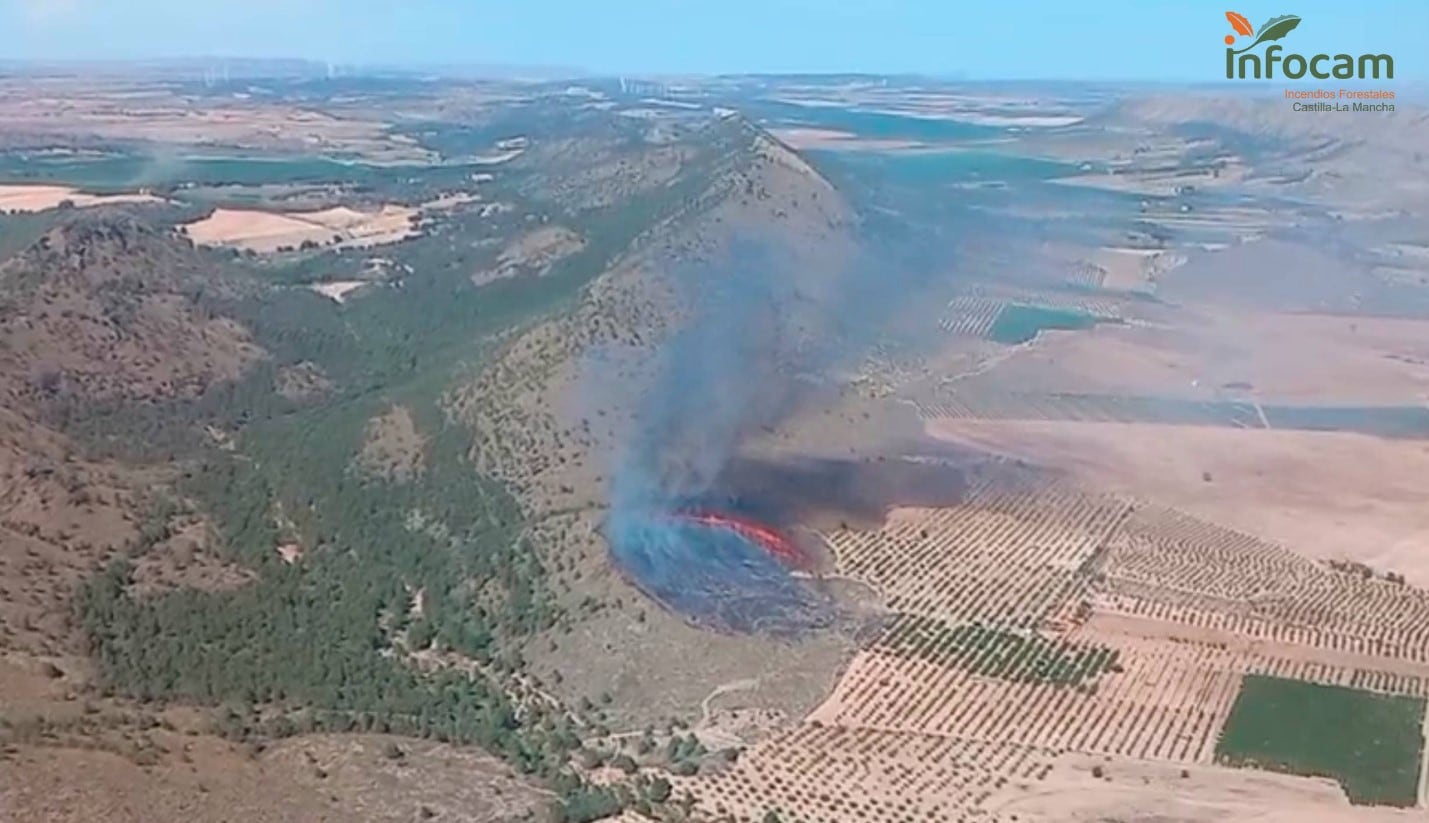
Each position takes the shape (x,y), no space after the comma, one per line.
(1092,39)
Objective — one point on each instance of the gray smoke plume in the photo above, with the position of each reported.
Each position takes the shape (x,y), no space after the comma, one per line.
(762,336)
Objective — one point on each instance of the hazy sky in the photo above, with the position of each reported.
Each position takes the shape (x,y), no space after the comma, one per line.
(1130,40)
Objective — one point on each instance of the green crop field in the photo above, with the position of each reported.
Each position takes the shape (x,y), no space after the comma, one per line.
(1017,323)
(1371,743)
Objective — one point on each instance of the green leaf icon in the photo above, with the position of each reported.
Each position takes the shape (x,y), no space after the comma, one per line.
(1274,29)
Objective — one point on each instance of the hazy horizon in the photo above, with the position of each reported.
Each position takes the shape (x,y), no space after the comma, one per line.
(1018,40)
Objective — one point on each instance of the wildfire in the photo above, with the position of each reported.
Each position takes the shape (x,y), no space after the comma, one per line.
(772,541)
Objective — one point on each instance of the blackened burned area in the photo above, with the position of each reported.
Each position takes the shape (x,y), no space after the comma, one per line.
(726,560)
(822,491)
(719,577)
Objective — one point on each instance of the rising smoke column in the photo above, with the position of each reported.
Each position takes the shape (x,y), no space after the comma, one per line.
(763,329)
(724,374)
(716,379)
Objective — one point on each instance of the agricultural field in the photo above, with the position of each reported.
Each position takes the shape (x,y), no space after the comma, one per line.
(1308,506)
(28,198)
(1014,323)
(1135,646)
(1216,354)
(1371,743)
(971,316)
(1030,542)
(1018,324)
(270,232)
(833,773)
(1202,433)
(1207,496)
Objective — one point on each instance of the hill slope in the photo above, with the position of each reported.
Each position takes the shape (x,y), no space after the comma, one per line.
(110,308)
(553,413)
(387,547)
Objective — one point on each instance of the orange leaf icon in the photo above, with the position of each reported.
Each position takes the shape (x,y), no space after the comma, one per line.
(1239,23)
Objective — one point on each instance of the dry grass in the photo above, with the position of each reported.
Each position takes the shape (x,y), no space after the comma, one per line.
(533,252)
(202,779)
(393,448)
(60,517)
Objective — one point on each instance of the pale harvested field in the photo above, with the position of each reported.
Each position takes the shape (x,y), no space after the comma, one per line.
(1025,121)
(1158,183)
(1272,358)
(811,138)
(33,198)
(1308,358)
(1324,358)
(1139,790)
(269,231)
(1330,495)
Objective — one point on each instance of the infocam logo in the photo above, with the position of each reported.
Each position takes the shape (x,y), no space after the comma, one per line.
(1243,63)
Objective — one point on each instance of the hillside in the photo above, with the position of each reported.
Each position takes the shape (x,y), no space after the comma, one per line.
(236,507)
(551,413)
(109,308)
(100,313)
